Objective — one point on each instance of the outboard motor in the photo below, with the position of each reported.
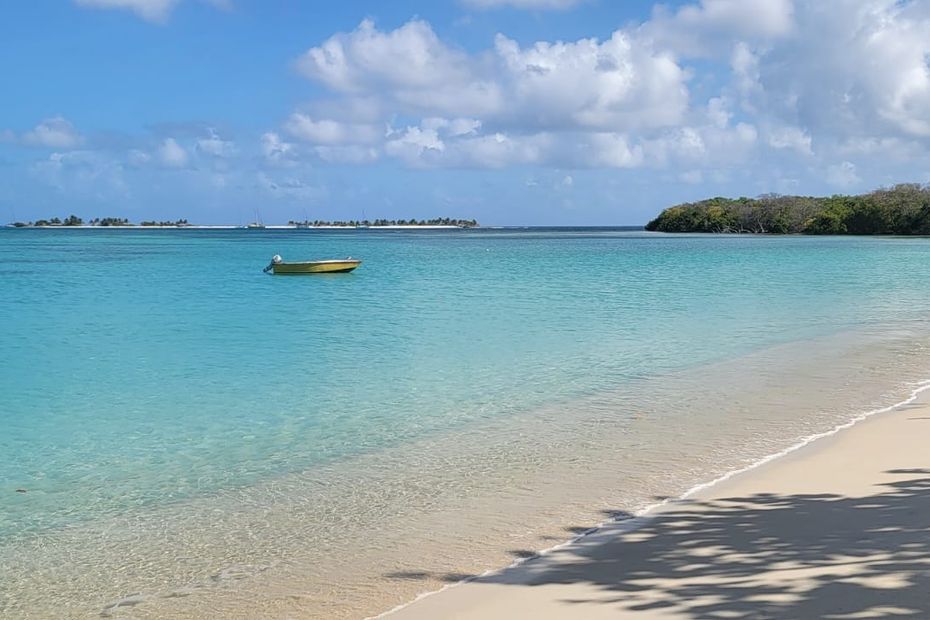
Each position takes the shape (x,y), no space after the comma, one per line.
(276,259)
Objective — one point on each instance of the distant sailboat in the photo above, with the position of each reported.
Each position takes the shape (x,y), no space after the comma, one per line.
(258,221)
(364,222)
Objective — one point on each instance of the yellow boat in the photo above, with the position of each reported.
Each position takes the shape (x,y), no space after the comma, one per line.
(339,265)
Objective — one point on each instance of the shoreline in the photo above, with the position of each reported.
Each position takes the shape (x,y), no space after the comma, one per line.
(420,547)
(452,600)
(236,227)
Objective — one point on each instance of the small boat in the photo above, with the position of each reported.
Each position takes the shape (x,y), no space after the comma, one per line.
(277,266)
(258,223)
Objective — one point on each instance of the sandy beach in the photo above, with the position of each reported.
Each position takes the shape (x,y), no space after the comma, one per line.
(839,528)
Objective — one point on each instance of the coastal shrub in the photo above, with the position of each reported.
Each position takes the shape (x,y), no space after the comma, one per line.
(899,210)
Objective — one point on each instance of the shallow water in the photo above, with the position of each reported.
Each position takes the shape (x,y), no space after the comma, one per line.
(199,439)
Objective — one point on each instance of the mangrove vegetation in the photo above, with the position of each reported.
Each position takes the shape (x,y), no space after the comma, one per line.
(899,210)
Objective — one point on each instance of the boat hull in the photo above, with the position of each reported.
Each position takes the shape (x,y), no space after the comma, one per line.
(317,266)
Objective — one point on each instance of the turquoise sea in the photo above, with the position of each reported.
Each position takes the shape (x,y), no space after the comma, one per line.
(198,439)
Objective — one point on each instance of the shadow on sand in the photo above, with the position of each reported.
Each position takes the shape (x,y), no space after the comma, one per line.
(761,556)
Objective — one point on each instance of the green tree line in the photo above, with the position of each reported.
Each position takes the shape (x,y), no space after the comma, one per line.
(438,221)
(73,220)
(899,210)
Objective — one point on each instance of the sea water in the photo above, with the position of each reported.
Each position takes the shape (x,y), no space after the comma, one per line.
(182,435)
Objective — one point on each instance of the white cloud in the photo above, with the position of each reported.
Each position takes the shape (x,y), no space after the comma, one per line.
(499,150)
(156,11)
(893,149)
(791,138)
(711,26)
(328,131)
(172,154)
(692,176)
(290,187)
(627,101)
(409,65)
(703,145)
(745,66)
(454,127)
(54,133)
(616,84)
(718,112)
(349,154)
(138,158)
(614,103)
(411,143)
(870,77)
(149,10)
(410,56)
(843,174)
(612,150)
(88,173)
(523,4)
(216,146)
(276,150)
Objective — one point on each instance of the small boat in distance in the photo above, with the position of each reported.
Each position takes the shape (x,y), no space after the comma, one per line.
(277,266)
(258,223)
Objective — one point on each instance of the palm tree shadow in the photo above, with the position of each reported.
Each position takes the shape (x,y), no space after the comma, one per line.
(762,556)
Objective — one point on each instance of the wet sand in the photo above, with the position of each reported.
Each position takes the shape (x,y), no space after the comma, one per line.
(839,528)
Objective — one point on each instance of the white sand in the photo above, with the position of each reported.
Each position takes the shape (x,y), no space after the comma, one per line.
(837,529)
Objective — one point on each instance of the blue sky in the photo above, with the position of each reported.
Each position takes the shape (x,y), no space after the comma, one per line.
(508,111)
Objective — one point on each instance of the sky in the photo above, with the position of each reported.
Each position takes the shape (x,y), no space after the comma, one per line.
(512,112)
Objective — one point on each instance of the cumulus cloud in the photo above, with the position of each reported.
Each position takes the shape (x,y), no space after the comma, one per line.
(611,150)
(618,84)
(54,133)
(409,64)
(410,56)
(453,127)
(791,138)
(411,143)
(276,150)
(329,131)
(711,26)
(620,102)
(615,84)
(172,154)
(870,76)
(215,146)
(83,172)
(843,174)
(499,150)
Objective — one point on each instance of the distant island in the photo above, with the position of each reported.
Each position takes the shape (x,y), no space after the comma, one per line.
(438,221)
(74,221)
(899,210)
